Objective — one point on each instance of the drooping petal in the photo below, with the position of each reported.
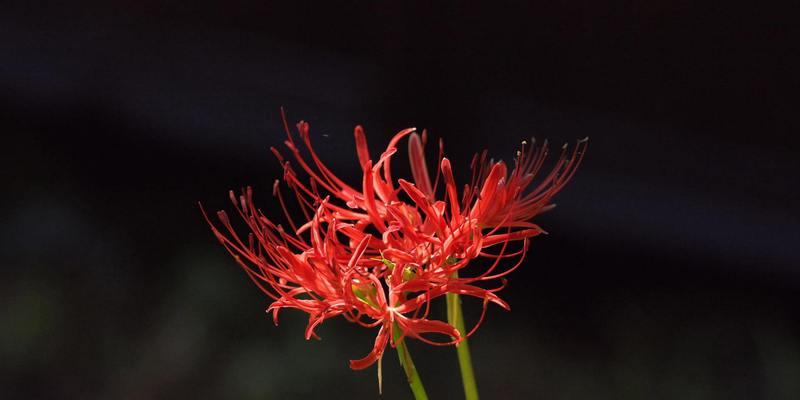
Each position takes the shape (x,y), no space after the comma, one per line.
(377,350)
(416,327)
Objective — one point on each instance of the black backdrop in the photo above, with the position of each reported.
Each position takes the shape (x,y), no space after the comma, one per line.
(670,270)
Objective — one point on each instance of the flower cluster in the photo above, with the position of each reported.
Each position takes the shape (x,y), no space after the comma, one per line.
(378,255)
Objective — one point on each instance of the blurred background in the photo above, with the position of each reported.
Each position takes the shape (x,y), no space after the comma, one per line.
(671,270)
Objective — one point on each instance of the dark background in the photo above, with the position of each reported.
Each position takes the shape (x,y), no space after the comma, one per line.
(670,272)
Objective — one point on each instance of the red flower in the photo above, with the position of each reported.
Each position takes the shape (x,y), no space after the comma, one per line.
(379,260)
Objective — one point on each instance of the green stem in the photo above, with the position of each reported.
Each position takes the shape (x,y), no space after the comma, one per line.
(407,363)
(456,318)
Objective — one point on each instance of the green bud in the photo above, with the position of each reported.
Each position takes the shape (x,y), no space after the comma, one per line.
(366,293)
(388,263)
(409,273)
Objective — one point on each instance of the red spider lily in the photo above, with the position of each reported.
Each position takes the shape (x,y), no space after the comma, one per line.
(378,260)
